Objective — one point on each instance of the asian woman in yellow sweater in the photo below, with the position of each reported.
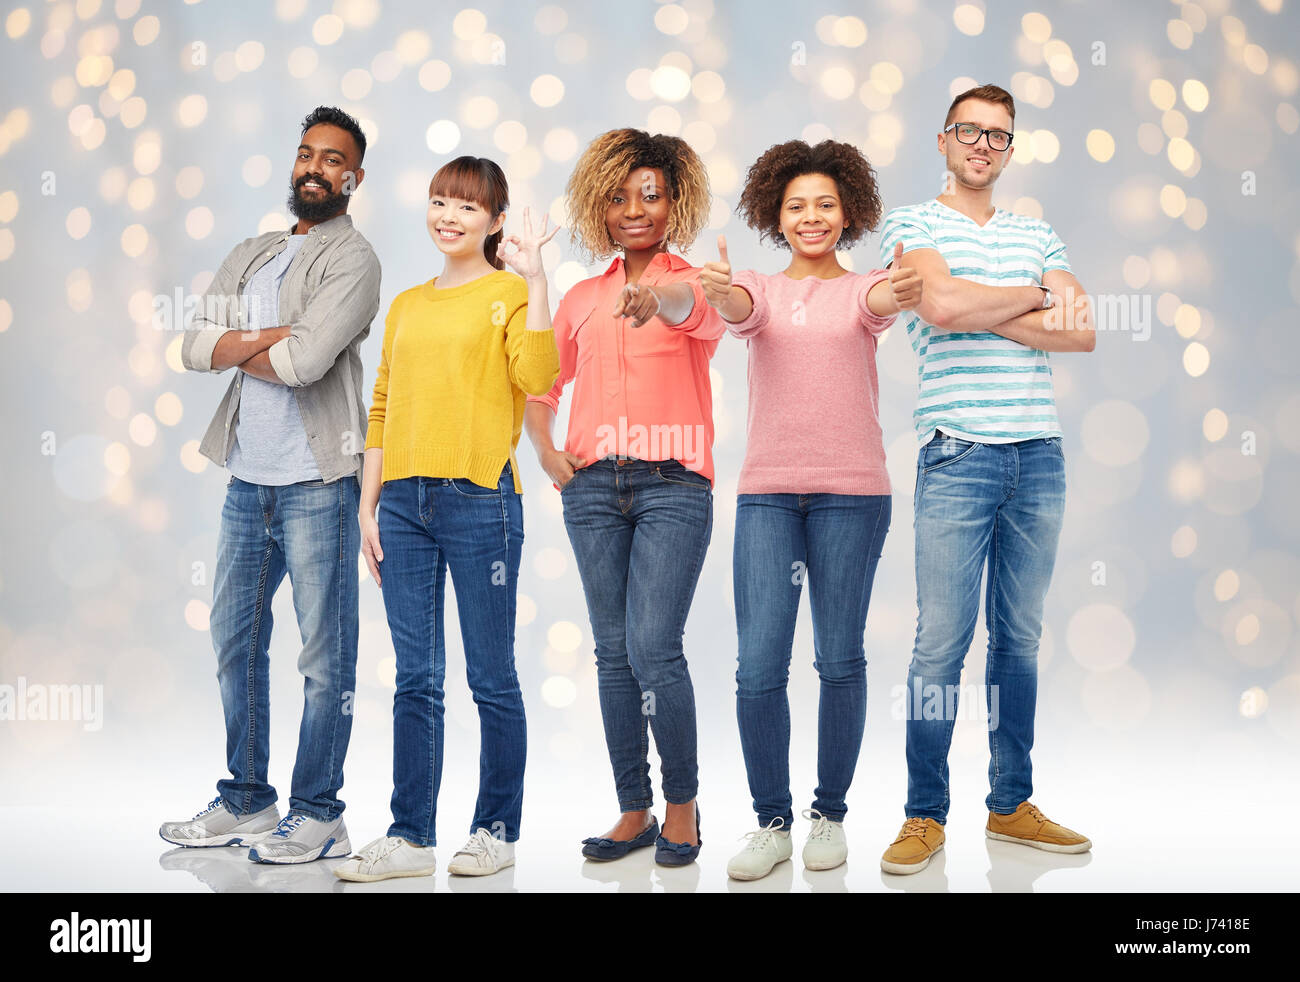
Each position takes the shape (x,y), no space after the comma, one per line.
(460,354)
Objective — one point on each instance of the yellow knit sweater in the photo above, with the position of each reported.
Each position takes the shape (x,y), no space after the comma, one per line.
(456,365)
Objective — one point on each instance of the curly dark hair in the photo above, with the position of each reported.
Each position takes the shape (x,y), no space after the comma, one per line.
(768,177)
(334,116)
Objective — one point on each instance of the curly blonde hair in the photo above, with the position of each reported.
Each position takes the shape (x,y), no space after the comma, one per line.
(606,164)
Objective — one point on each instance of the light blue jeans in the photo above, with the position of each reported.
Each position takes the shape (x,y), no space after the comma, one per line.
(978,505)
(310,531)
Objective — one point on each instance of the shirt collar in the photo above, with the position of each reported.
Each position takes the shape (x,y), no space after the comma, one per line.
(665,260)
(337,223)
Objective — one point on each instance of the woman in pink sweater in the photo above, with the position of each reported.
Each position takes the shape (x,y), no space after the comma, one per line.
(814,496)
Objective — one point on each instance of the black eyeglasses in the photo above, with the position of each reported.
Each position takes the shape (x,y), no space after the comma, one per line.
(969,134)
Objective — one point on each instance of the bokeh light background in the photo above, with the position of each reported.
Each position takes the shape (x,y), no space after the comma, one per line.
(139,141)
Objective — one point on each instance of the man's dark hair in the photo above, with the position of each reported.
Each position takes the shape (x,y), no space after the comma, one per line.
(334,116)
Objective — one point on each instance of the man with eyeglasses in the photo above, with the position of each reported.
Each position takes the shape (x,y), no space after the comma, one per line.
(990,478)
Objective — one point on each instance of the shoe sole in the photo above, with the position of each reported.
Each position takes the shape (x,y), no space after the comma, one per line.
(1083,846)
(325,853)
(906,869)
(476,871)
(819,867)
(373,877)
(750,877)
(216,841)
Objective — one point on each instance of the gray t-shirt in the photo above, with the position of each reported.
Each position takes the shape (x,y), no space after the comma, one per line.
(270,441)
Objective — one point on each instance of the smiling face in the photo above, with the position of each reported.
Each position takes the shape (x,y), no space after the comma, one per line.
(325,172)
(637,214)
(976,166)
(812,215)
(458,226)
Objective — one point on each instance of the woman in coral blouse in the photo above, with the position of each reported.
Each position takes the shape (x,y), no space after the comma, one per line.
(636,471)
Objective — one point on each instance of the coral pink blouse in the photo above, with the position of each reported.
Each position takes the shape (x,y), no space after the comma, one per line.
(643,391)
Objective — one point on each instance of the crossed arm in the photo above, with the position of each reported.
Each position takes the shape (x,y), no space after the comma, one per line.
(290,354)
(247,350)
(952,303)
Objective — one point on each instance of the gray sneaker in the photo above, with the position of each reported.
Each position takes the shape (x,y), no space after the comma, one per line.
(301,839)
(217,825)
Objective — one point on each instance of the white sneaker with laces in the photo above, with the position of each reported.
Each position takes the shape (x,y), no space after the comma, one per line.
(387,857)
(302,839)
(826,847)
(216,825)
(482,855)
(766,847)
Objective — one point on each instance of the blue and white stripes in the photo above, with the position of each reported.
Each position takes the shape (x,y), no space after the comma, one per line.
(977,384)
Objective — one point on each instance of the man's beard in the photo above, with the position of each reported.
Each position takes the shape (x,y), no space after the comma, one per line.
(318,209)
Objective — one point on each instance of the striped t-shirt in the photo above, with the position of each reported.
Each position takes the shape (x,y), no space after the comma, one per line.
(976,384)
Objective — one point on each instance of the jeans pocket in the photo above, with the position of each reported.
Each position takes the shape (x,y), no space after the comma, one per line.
(1056,444)
(944,450)
(675,472)
(468,489)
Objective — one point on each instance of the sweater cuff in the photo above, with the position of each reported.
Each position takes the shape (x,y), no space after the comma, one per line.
(375,436)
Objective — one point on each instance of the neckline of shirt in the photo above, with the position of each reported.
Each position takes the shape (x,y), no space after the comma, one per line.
(668,259)
(996,216)
(433,292)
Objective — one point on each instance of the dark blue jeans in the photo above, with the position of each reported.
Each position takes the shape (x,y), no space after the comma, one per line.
(428,525)
(310,531)
(639,531)
(998,505)
(835,541)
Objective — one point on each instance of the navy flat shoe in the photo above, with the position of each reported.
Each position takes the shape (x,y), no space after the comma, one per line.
(603,850)
(679,853)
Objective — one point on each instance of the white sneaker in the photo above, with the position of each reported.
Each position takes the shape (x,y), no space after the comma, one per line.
(300,839)
(826,847)
(216,825)
(483,854)
(767,847)
(387,857)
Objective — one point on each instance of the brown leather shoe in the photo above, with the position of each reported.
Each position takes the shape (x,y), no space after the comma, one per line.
(915,846)
(1030,827)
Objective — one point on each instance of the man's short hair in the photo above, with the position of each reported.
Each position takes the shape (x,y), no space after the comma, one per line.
(334,116)
(986,93)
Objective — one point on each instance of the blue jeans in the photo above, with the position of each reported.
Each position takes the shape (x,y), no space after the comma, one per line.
(428,525)
(639,531)
(977,503)
(310,531)
(834,540)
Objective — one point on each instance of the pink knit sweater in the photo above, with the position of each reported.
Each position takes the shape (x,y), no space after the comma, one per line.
(814,423)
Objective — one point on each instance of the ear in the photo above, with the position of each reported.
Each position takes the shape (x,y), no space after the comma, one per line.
(942,149)
(360,173)
(498,224)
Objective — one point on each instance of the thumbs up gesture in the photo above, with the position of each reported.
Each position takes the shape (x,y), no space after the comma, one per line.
(715,277)
(904,283)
